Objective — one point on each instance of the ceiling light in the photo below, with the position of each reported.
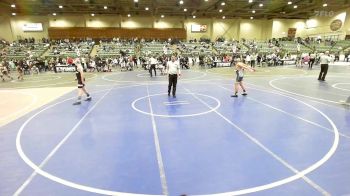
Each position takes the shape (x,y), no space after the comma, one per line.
(162,16)
(136,1)
(251,18)
(289,2)
(129,15)
(260,5)
(60,6)
(13,5)
(181,2)
(185,10)
(223,17)
(295,6)
(54,14)
(13,14)
(253,11)
(223,3)
(250,1)
(105,7)
(147,8)
(193,16)
(220,10)
(206,0)
(92,14)
(325,5)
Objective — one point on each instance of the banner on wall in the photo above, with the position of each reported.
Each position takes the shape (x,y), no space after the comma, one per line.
(292,32)
(199,28)
(32,27)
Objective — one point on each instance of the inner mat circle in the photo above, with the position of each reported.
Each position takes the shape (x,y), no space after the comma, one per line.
(185,105)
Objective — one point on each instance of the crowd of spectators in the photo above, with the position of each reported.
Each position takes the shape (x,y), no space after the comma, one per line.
(130,54)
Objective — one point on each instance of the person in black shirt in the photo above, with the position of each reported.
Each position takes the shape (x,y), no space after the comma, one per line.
(81,84)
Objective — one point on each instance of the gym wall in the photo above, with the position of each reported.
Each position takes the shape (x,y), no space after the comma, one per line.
(11,26)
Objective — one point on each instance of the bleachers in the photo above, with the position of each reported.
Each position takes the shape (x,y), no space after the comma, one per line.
(17,51)
(291,47)
(224,48)
(71,49)
(341,45)
(111,49)
(196,48)
(152,48)
(264,47)
(320,47)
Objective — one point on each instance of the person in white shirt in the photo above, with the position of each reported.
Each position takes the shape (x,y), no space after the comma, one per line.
(165,50)
(153,61)
(298,48)
(234,49)
(324,61)
(248,59)
(253,60)
(92,66)
(174,71)
(83,63)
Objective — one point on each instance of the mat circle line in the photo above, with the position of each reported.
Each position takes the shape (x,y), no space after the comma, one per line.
(47,85)
(32,81)
(343,89)
(298,94)
(218,104)
(146,75)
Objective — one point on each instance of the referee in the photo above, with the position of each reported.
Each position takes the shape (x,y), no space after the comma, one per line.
(153,61)
(174,71)
(324,61)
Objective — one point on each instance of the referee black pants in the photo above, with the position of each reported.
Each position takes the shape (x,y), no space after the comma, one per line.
(323,72)
(153,66)
(172,83)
